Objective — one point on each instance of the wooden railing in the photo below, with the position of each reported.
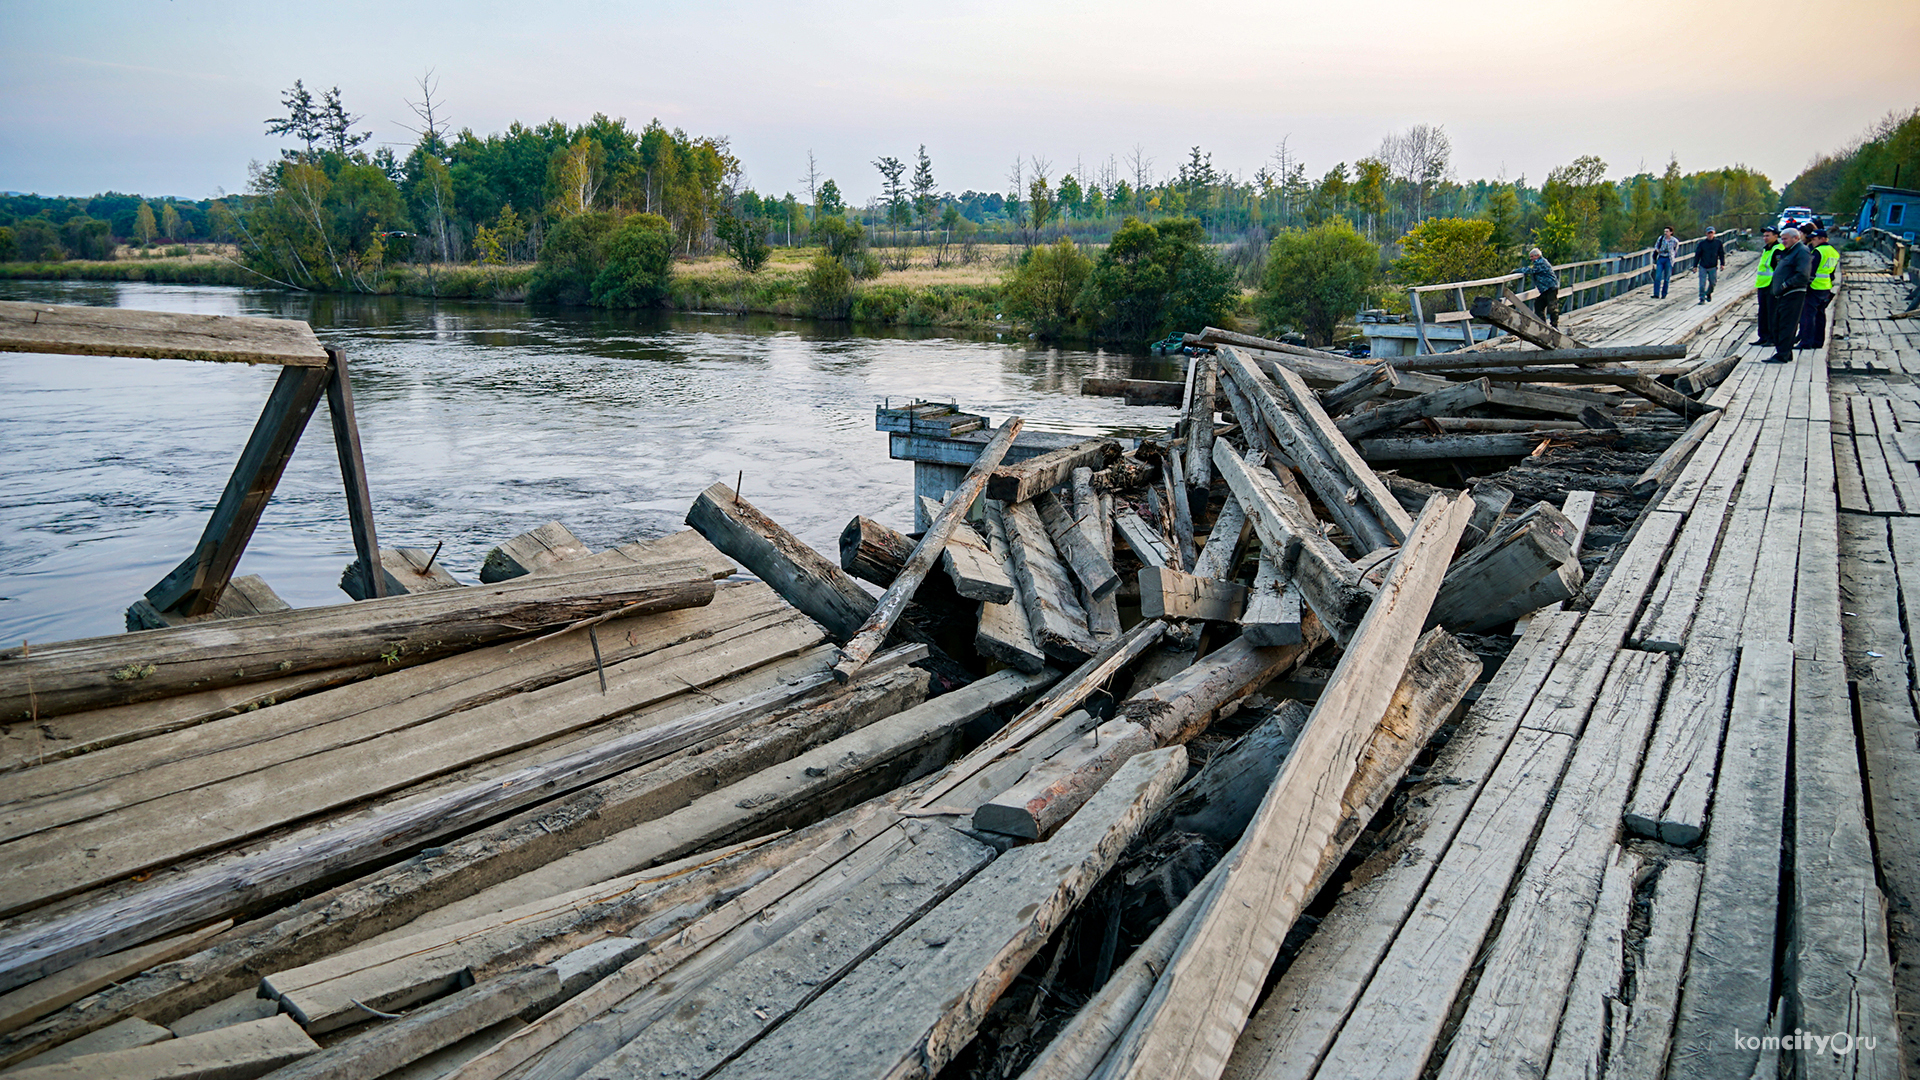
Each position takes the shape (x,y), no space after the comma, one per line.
(1581,284)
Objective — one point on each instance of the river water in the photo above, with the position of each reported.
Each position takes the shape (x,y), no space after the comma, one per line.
(479,421)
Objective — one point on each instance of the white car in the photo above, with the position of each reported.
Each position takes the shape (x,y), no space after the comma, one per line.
(1800,214)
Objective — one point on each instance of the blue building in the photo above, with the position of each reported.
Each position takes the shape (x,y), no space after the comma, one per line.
(1896,210)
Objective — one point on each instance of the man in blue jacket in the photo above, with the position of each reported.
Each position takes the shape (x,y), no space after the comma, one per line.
(1539,274)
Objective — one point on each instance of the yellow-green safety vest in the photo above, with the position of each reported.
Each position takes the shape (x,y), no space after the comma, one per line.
(1823,275)
(1764,276)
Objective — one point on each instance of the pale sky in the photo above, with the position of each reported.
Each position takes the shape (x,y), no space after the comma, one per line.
(167,97)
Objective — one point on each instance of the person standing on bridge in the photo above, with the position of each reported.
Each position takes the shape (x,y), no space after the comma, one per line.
(1665,250)
(1708,258)
(1792,271)
(1826,267)
(1762,278)
(1539,275)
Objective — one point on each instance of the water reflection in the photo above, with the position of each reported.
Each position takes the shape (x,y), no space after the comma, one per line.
(479,421)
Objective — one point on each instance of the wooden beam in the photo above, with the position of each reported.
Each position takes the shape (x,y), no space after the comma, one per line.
(1380,379)
(391,1046)
(1094,514)
(872,552)
(1054,613)
(1004,632)
(1523,551)
(1707,376)
(1454,399)
(1050,793)
(1216,336)
(96,672)
(1328,582)
(977,574)
(1166,593)
(1184,704)
(1272,615)
(873,633)
(1674,457)
(253,1048)
(403,571)
(194,587)
(543,549)
(1198,458)
(98,331)
(1136,391)
(1442,447)
(1175,477)
(797,572)
(1077,549)
(1542,357)
(1668,398)
(1506,312)
(353,469)
(1143,538)
(1195,1014)
(1018,483)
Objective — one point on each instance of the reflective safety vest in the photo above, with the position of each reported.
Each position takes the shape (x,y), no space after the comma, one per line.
(1823,274)
(1764,276)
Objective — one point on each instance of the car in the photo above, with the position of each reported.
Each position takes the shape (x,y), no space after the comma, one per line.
(1798,215)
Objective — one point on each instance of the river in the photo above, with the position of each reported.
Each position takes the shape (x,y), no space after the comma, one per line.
(479,421)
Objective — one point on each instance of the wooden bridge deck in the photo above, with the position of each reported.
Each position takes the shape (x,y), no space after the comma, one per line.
(1661,835)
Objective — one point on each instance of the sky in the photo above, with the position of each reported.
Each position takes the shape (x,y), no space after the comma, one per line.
(169,97)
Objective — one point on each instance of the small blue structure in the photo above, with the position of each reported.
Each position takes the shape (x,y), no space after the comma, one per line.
(1897,210)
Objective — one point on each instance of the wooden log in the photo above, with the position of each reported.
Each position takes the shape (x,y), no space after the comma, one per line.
(1018,483)
(1190,1023)
(1328,582)
(1004,632)
(1054,613)
(824,591)
(1674,457)
(872,552)
(1525,550)
(1124,475)
(1706,376)
(1182,523)
(1136,391)
(419,1033)
(92,673)
(167,335)
(1594,418)
(229,1053)
(531,552)
(1272,615)
(403,571)
(1371,383)
(1076,548)
(1096,521)
(62,988)
(893,603)
(1198,458)
(1616,354)
(1166,593)
(1055,788)
(1668,398)
(1443,447)
(1216,336)
(1452,424)
(188,898)
(1506,312)
(916,1002)
(194,587)
(1143,538)
(248,594)
(1446,402)
(1183,705)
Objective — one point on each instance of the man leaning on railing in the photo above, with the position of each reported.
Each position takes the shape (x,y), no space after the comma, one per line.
(1538,274)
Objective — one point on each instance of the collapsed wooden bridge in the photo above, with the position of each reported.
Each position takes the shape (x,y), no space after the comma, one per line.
(1216,754)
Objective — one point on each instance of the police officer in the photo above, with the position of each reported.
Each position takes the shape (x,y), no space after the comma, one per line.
(1813,316)
(1762,278)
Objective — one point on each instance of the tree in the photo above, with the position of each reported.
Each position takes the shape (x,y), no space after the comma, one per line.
(923,200)
(894,191)
(1156,278)
(827,201)
(575,177)
(828,288)
(36,240)
(336,124)
(1370,189)
(744,239)
(811,182)
(1503,213)
(9,248)
(172,225)
(1674,207)
(1317,277)
(1041,202)
(302,121)
(1046,285)
(144,229)
(639,263)
(1580,200)
(571,260)
(1440,250)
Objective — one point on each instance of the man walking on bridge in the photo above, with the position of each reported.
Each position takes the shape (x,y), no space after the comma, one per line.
(1539,274)
(1665,250)
(1792,271)
(1708,258)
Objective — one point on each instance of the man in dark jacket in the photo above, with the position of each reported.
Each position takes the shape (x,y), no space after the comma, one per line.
(1792,272)
(1708,258)
(1539,274)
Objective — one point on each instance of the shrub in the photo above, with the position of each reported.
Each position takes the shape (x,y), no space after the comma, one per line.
(1316,277)
(1152,279)
(8,248)
(570,260)
(36,240)
(1045,288)
(639,263)
(745,242)
(1440,250)
(828,290)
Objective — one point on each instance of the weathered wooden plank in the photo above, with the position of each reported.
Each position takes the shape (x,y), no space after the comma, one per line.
(872,552)
(1657,978)
(1094,513)
(353,468)
(1136,391)
(402,571)
(1055,788)
(97,672)
(98,331)
(872,633)
(1320,427)
(1175,478)
(1145,541)
(1076,548)
(1595,1017)
(1370,383)
(1442,447)
(1729,985)
(970,562)
(38,998)
(1272,615)
(1004,633)
(1166,593)
(797,572)
(544,548)
(248,594)
(684,544)
(1198,455)
(1058,621)
(1675,456)
(1328,582)
(1018,483)
(1447,402)
(1191,1022)
(1616,354)
(1506,312)
(194,587)
(921,997)
(229,1053)
(419,1033)
(1182,705)
(1706,376)
(1524,551)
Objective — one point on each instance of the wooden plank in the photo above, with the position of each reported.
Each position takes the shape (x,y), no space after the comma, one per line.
(1506,312)
(1050,793)
(1658,977)
(1191,1022)
(1291,1034)
(1447,402)
(1182,705)
(546,547)
(1175,478)
(97,331)
(1706,376)
(1616,354)
(353,468)
(921,997)
(1143,539)
(1508,1028)
(1272,615)
(403,571)
(1136,391)
(1198,455)
(1166,593)
(1370,383)
(1525,550)
(1058,621)
(62,988)
(248,594)
(229,1053)
(1328,582)
(969,561)
(872,633)
(1319,426)
(1004,633)
(824,591)
(1675,456)
(1018,483)
(419,1033)
(98,672)
(1443,447)
(1729,985)
(1093,511)
(194,587)
(1595,1017)
(1076,548)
